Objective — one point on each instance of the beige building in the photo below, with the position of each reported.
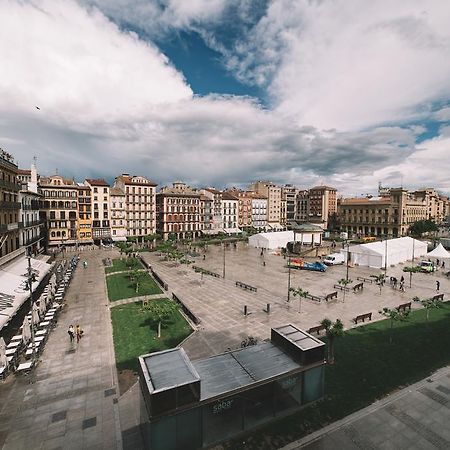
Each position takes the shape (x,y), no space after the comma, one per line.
(289,203)
(101,225)
(302,211)
(391,215)
(178,211)
(60,209)
(84,228)
(217,220)
(244,206)
(322,204)
(206,214)
(9,208)
(259,210)
(118,214)
(140,204)
(273,194)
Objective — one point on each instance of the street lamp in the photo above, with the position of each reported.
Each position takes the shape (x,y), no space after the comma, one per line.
(30,286)
(346,272)
(289,277)
(223,273)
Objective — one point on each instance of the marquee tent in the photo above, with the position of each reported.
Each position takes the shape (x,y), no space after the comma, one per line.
(439,252)
(278,239)
(397,250)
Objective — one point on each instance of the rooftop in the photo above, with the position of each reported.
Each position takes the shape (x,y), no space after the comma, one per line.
(97,182)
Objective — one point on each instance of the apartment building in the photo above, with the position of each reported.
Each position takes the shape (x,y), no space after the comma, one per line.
(230,208)
(259,210)
(322,204)
(273,194)
(178,211)
(244,207)
(289,203)
(101,225)
(302,210)
(84,220)
(140,204)
(31,226)
(59,209)
(9,208)
(118,214)
(391,215)
(437,205)
(206,214)
(217,220)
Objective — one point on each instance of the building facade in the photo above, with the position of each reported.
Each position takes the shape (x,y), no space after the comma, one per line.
(230,209)
(206,214)
(244,207)
(101,224)
(322,204)
(217,220)
(289,199)
(178,211)
(273,194)
(9,208)
(140,204)
(118,214)
(259,211)
(84,220)
(59,209)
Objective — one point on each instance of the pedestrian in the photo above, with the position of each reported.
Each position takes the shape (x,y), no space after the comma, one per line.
(443,264)
(71,332)
(438,285)
(85,264)
(264,263)
(402,286)
(79,333)
(437,262)
(402,279)
(204,257)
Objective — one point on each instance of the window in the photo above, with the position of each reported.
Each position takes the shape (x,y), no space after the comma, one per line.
(95,190)
(105,190)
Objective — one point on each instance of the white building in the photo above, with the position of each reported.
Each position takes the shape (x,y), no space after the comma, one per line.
(101,225)
(259,211)
(118,214)
(230,210)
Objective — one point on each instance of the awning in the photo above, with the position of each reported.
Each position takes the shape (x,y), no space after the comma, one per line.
(232,230)
(119,238)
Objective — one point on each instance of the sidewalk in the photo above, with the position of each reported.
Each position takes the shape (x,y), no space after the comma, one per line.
(416,417)
(70,400)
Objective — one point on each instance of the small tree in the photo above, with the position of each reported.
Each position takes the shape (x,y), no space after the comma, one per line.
(428,304)
(411,270)
(344,282)
(423,226)
(300,293)
(136,277)
(333,331)
(151,238)
(394,316)
(160,312)
(249,341)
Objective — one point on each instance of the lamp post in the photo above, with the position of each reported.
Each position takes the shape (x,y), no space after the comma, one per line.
(289,278)
(223,273)
(385,256)
(346,271)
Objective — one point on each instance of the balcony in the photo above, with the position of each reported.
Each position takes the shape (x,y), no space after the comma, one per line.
(8,185)
(10,205)
(31,223)
(32,240)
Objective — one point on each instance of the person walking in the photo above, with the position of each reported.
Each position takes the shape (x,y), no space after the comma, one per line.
(71,333)
(402,285)
(79,333)
(443,264)
(438,285)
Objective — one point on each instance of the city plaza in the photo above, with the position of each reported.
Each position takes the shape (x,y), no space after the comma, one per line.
(72,400)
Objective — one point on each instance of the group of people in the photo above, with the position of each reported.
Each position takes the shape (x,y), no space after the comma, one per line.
(401,284)
(76,332)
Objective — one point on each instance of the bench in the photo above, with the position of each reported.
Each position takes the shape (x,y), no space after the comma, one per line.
(438,297)
(403,307)
(331,296)
(316,298)
(365,280)
(247,287)
(317,329)
(362,318)
(341,287)
(358,287)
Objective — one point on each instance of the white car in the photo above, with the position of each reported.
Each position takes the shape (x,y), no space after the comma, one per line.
(334,259)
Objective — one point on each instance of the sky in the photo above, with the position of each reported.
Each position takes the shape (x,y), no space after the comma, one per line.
(221,93)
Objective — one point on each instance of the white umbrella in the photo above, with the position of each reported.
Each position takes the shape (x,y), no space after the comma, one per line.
(3,358)
(26,331)
(35,314)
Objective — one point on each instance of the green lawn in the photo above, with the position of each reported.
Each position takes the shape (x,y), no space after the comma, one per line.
(135,333)
(120,286)
(367,368)
(121,264)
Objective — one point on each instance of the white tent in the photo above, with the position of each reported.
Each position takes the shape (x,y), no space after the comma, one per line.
(439,252)
(397,250)
(271,240)
(3,358)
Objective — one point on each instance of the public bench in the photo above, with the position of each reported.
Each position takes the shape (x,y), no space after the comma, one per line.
(341,287)
(245,286)
(362,318)
(316,329)
(331,296)
(316,298)
(365,280)
(358,287)
(438,297)
(403,307)
(205,271)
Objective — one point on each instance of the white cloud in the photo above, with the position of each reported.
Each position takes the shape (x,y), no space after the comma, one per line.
(341,64)
(77,66)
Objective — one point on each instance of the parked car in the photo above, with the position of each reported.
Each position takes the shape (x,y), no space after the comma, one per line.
(334,259)
(427,266)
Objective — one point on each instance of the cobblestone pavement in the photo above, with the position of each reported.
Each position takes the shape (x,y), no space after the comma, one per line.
(219,303)
(70,400)
(416,417)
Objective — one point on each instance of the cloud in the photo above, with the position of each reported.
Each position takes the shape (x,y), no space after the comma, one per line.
(78,67)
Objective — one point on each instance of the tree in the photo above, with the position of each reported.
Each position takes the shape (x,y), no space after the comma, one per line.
(160,312)
(394,316)
(423,226)
(151,238)
(249,341)
(411,270)
(332,331)
(136,276)
(300,293)
(428,304)
(344,282)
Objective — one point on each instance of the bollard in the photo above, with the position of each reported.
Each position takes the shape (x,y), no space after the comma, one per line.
(245,310)
(268,308)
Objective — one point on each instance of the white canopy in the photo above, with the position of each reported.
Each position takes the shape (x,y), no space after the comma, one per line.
(397,250)
(439,252)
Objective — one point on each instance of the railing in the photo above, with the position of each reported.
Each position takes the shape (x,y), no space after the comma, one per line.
(10,185)
(31,223)
(32,240)
(10,205)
